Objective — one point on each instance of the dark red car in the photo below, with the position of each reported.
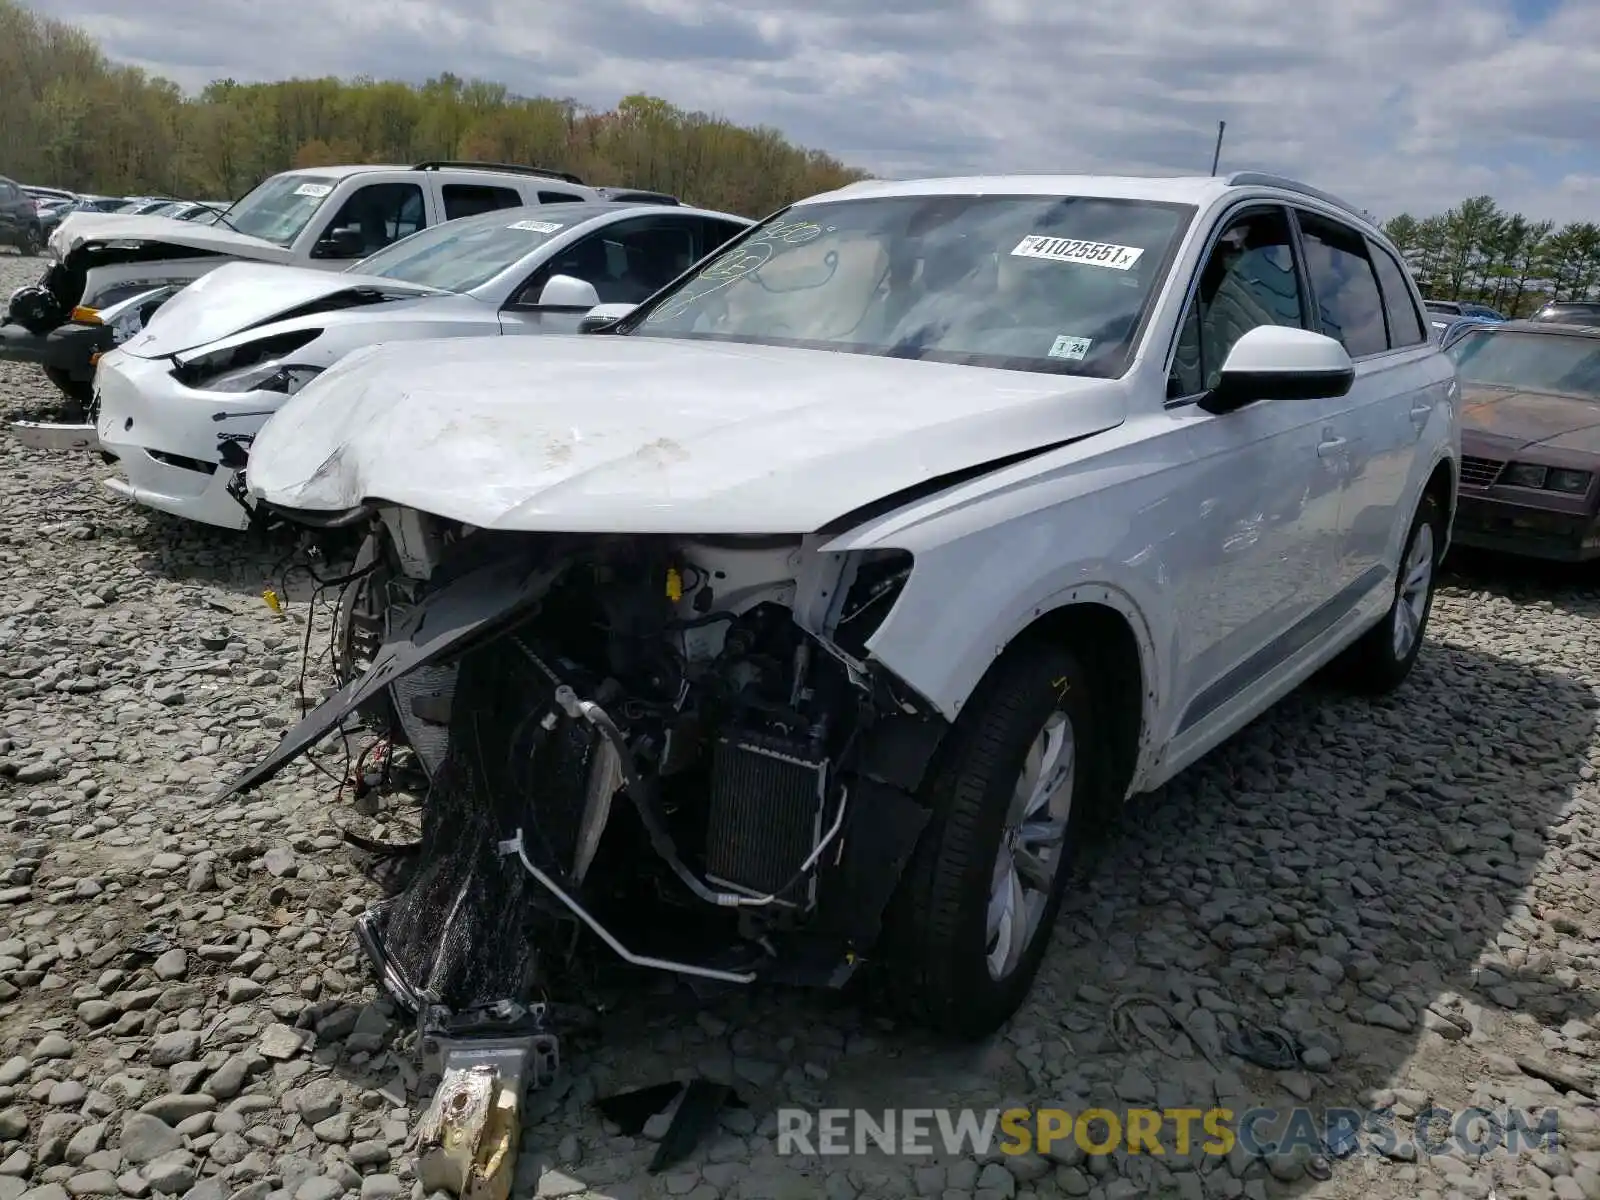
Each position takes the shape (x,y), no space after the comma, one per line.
(1530,439)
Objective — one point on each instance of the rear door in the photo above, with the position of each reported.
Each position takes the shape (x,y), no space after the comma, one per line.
(1362,299)
(460,198)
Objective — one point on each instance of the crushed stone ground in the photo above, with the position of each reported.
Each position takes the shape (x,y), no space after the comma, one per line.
(1408,885)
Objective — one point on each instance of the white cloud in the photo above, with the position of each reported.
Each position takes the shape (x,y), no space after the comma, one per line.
(1395,104)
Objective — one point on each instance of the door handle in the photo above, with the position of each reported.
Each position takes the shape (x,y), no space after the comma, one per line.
(1329,446)
(1421,412)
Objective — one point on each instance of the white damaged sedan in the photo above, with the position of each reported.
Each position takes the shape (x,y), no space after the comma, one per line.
(178,404)
(802,618)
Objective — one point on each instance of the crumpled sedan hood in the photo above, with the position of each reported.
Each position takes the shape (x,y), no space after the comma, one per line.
(1529,418)
(598,433)
(79,229)
(240,295)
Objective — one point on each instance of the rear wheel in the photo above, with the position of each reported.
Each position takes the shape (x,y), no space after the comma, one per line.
(1024,768)
(32,242)
(1380,661)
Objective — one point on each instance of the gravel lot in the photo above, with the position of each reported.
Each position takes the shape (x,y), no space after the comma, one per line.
(183,1012)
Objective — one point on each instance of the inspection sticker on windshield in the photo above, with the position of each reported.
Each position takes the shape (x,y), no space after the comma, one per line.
(1070,347)
(1070,250)
(535,226)
(318,190)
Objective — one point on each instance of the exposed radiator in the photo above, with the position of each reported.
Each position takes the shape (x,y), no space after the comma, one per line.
(767,800)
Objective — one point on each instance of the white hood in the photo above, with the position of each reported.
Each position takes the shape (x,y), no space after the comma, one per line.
(597,433)
(78,229)
(240,295)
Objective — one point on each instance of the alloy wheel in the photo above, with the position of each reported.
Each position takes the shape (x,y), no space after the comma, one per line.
(1032,845)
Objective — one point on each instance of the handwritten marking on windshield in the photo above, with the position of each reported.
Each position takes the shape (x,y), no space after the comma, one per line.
(744,259)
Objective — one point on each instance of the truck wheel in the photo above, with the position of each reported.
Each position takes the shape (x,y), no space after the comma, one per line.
(1382,658)
(1022,772)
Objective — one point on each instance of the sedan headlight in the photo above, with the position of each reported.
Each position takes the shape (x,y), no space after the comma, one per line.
(264,377)
(1567,480)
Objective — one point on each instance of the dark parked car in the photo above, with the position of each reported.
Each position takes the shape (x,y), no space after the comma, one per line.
(1442,312)
(1530,439)
(1570,312)
(19,219)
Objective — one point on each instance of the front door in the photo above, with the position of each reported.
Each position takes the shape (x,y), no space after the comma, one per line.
(1254,570)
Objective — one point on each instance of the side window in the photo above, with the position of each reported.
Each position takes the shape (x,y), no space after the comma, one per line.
(718,234)
(1348,301)
(470,199)
(626,262)
(373,217)
(559,198)
(1249,280)
(1406,327)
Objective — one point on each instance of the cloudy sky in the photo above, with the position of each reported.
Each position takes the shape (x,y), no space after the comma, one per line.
(1396,104)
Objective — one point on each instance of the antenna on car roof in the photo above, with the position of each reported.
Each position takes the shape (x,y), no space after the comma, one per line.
(442,164)
(1216,155)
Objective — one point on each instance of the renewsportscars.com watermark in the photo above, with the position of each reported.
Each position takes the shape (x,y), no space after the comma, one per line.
(1179,1132)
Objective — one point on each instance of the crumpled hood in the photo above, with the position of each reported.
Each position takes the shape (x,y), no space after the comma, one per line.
(80,228)
(240,295)
(1529,418)
(598,433)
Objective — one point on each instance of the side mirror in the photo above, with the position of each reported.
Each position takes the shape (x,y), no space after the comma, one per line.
(603,316)
(567,291)
(341,243)
(1274,362)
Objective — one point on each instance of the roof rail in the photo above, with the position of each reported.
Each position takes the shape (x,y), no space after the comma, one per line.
(636,196)
(1264,179)
(442,164)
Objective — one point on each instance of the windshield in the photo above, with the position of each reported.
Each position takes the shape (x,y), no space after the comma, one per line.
(1033,283)
(167,210)
(460,255)
(1536,362)
(277,209)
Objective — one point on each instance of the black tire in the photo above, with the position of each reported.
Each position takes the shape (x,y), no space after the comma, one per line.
(359,626)
(79,391)
(1373,665)
(32,242)
(934,968)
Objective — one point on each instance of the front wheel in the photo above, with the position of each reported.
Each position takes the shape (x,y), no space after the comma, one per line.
(1024,766)
(1380,661)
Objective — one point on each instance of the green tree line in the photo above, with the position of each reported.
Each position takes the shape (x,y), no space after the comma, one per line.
(75,119)
(1479,252)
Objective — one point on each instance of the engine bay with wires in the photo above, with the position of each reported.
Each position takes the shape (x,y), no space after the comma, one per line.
(650,760)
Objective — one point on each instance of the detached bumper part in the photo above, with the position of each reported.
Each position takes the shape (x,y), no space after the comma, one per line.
(37,435)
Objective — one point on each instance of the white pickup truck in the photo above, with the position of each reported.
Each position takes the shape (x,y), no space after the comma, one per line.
(109,271)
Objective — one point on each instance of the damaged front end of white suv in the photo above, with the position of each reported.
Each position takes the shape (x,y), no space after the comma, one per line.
(710,645)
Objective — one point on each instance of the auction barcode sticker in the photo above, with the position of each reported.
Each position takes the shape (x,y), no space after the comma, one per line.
(1069,250)
(535,226)
(315,190)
